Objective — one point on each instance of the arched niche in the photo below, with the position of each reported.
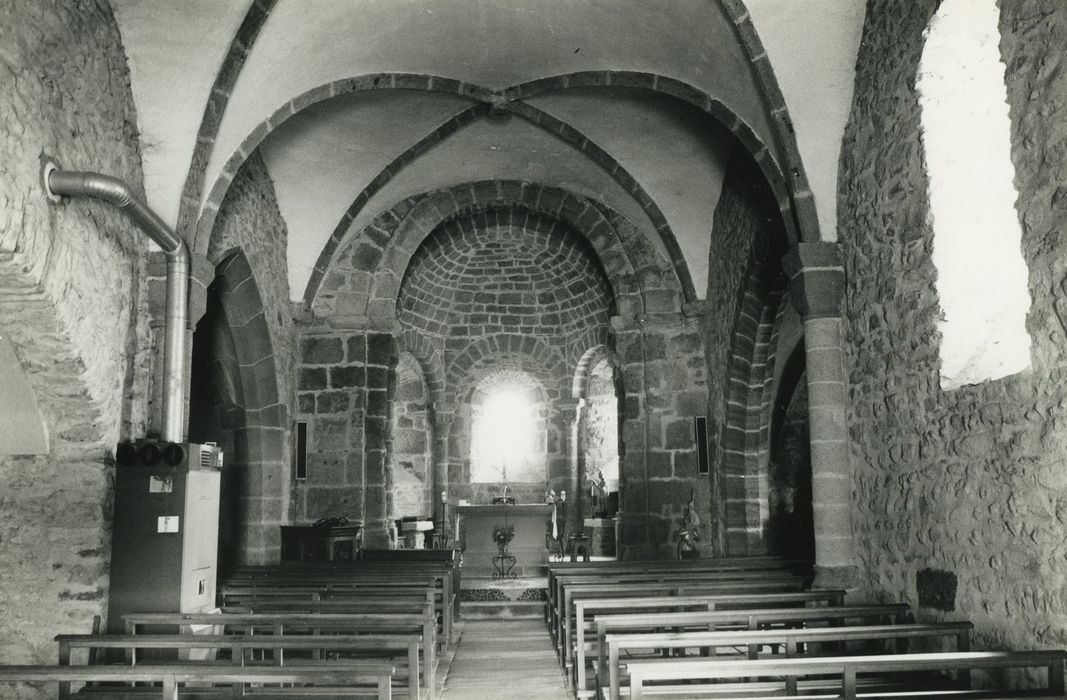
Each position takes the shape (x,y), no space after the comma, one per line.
(598,386)
(411,474)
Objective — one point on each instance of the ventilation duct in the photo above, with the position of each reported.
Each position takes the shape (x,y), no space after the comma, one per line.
(67,183)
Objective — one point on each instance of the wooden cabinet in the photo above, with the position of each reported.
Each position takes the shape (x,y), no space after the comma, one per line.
(307,543)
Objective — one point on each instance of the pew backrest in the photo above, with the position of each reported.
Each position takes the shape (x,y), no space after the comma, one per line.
(337,677)
(845,668)
(299,623)
(399,648)
(781,641)
(584,608)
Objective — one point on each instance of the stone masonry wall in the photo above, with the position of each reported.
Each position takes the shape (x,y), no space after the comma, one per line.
(745,224)
(665,381)
(343,392)
(70,302)
(969,484)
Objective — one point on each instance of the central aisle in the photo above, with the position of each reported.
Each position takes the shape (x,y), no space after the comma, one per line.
(505,659)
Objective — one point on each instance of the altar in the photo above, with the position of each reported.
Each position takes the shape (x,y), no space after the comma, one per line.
(475,524)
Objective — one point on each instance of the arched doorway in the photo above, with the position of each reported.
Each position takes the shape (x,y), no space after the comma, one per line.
(217,414)
(234,401)
(790,525)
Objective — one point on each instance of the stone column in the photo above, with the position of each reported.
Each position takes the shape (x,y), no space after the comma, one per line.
(441,425)
(568,412)
(817,281)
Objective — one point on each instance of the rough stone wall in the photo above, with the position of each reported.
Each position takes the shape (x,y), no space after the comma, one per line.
(970,483)
(344,392)
(70,303)
(250,221)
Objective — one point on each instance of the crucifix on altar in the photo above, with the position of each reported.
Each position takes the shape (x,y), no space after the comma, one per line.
(504,497)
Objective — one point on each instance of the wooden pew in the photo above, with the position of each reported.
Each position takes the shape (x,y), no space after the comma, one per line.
(449,557)
(329,575)
(702,581)
(239,595)
(657,572)
(750,564)
(584,608)
(844,670)
(336,680)
(287,623)
(399,650)
(789,641)
(353,607)
(721,620)
(685,584)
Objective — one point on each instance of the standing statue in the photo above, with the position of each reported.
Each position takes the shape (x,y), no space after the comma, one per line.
(598,492)
(559,520)
(689,535)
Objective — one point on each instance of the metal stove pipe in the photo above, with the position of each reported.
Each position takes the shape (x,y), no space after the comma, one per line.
(116,192)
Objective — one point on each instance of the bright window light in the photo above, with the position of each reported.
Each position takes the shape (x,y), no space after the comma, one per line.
(982,280)
(505,440)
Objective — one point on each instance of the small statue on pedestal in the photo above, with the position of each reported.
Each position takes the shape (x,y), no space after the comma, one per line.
(689,535)
(598,493)
(559,520)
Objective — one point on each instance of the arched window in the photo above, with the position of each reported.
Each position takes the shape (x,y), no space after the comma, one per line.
(982,280)
(508,429)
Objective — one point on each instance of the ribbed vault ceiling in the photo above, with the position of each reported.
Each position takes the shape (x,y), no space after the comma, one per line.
(666,157)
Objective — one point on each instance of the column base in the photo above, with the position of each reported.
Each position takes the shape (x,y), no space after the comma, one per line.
(846,577)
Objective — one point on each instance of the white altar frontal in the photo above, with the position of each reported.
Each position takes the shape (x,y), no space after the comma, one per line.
(475,524)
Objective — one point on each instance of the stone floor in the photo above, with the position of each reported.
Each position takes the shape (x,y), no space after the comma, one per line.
(504,659)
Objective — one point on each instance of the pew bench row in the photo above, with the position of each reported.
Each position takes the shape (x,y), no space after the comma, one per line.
(922,676)
(670,630)
(174,682)
(254,627)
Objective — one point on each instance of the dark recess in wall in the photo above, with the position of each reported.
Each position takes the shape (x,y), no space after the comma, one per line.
(937,589)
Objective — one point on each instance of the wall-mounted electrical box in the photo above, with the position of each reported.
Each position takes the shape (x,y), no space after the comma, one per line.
(164,544)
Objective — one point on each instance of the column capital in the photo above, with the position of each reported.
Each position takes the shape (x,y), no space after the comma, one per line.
(567,407)
(816,279)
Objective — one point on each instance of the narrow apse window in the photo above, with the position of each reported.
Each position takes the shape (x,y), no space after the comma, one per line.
(301,461)
(982,280)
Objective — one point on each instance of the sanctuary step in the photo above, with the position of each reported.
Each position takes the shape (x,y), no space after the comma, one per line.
(496,599)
